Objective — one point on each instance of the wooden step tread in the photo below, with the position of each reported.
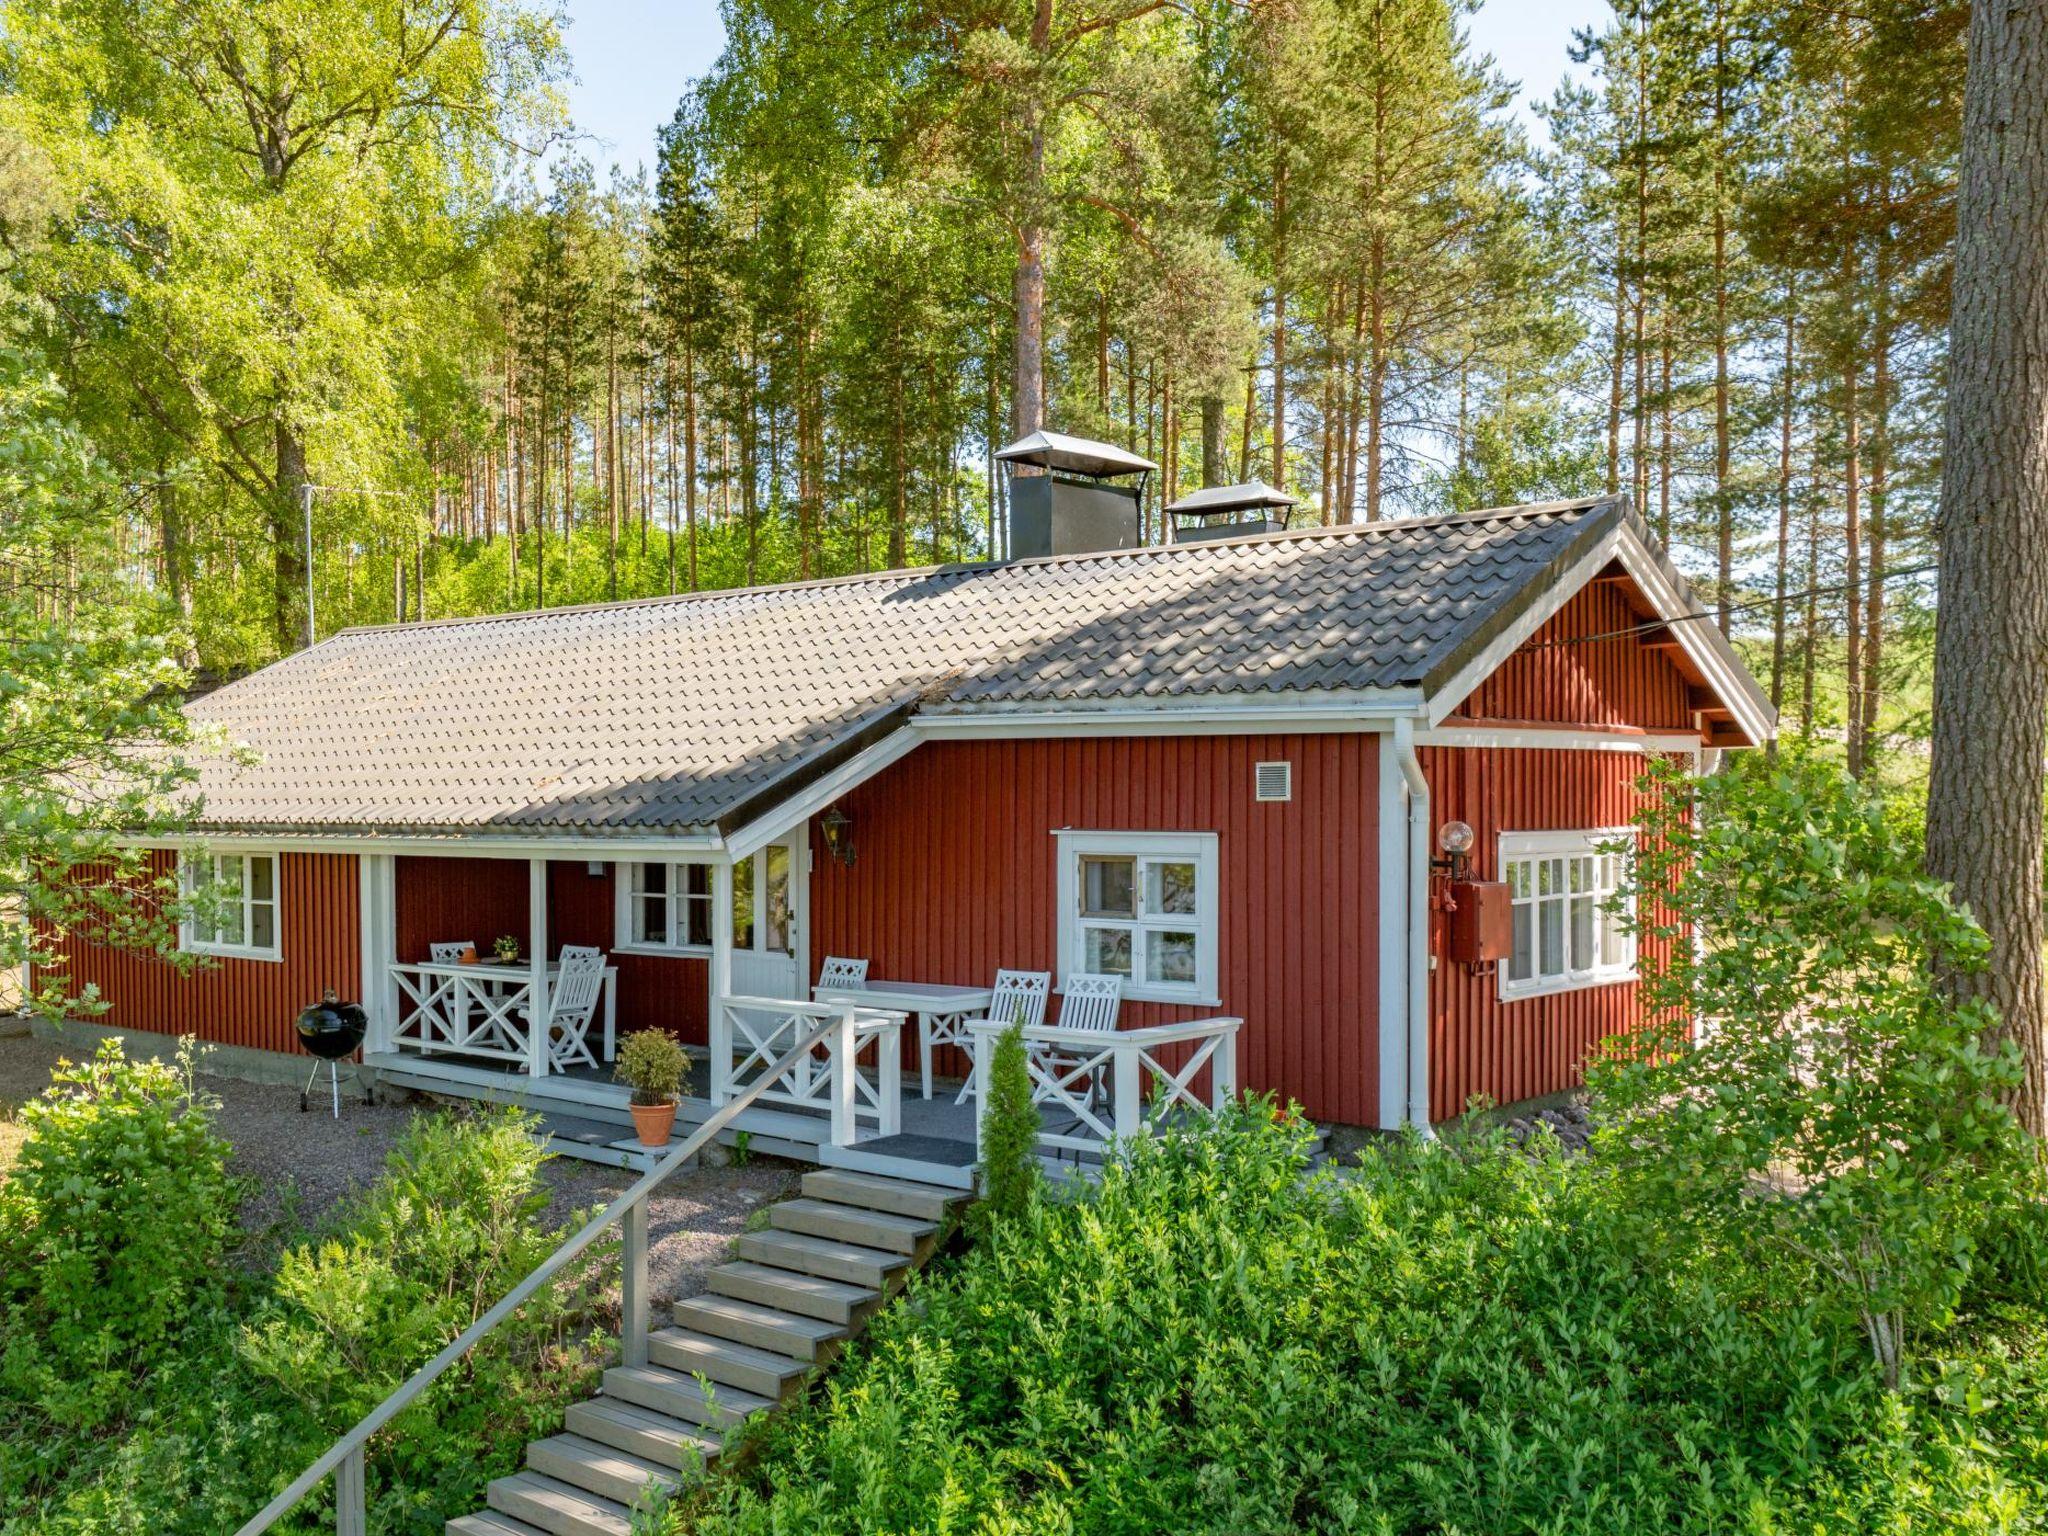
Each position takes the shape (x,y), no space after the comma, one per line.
(854,1263)
(661,1390)
(852,1224)
(901,1197)
(726,1360)
(488,1522)
(558,1507)
(600,1469)
(653,1437)
(832,1301)
(745,1322)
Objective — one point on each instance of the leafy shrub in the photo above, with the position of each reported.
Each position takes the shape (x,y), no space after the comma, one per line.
(1009,1132)
(652,1065)
(113,1223)
(1454,1337)
(450,1228)
(1835,1103)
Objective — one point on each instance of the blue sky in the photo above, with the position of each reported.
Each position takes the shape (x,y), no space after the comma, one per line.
(632,59)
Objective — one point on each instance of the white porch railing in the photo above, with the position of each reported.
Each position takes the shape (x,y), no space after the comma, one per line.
(853,1071)
(454,1012)
(1093,1087)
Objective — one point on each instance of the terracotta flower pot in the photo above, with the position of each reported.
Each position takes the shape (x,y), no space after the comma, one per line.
(654,1123)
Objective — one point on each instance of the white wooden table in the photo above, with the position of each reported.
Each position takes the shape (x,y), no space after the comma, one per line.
(942,1011)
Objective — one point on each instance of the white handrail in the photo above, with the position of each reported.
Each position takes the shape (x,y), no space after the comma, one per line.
(347,1452)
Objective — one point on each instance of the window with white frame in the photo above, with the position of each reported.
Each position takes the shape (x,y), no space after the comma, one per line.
(1568,931)
(665,905)
(1141,905)
(233,900)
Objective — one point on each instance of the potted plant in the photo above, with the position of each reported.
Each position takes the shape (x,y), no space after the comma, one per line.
(652,1065)
(506,948)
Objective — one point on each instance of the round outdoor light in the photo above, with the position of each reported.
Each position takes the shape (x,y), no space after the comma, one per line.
(1455,838)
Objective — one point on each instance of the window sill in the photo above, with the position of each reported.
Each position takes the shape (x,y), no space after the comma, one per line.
(664,951)
(230,952)
(1527,993)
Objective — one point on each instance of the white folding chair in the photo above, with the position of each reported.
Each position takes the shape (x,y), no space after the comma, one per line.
(1018,995)
(1088,1002)
(839,972)
(572,1006)
(441,1000)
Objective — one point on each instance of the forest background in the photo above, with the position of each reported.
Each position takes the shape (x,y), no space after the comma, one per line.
(341,281)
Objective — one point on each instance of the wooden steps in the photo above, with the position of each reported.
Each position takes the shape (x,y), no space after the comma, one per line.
(765,1325)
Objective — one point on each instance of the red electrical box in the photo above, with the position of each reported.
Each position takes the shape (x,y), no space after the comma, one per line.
(1481,927)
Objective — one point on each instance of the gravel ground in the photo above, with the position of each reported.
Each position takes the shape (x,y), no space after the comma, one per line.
(298,1165)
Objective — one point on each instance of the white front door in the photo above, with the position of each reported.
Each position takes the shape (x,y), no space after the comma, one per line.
(769,907)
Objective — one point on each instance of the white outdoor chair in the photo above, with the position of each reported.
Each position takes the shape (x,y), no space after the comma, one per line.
(1088,1002)
(1018,995)
(572,1006)
(839,972)
(441,1000)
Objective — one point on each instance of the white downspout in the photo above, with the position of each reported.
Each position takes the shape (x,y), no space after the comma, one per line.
(1417,988)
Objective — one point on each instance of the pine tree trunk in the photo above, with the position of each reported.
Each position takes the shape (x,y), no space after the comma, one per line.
(287,530)
(1984,822)
(1785,414)
(1280,326)
(1213,468)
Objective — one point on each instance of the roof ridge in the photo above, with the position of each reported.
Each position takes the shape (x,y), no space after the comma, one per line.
(960,569)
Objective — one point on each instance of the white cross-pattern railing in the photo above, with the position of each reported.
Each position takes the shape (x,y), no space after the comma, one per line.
(458,1010)
(1093,1087)
(853,1074)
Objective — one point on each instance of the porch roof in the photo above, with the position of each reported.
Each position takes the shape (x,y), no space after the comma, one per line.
(671,714)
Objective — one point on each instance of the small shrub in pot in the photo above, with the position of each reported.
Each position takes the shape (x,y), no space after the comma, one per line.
(653,1066)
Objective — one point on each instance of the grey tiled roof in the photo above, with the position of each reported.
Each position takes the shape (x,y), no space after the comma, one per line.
(672,713)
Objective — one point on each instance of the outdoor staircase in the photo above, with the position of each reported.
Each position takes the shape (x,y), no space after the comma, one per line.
(765,1325)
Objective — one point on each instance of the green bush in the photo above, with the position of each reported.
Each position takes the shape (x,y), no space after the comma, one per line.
(113,1224)
(451,1227)
(1452,1337)
(1009,1133)
(1834,1103)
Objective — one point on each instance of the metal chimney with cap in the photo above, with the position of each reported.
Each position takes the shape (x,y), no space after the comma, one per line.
(1071,507)
(1228,512)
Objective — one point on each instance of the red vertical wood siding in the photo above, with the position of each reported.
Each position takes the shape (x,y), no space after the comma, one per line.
(956,870)
(1561,676)
(455,900)
(234,1001)
(1537,1046)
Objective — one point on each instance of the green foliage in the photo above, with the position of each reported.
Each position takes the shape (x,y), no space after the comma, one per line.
(1452,1337)
(268,1369)
(652,1065)
(1834,1102)
(451,1227)
(112,1227)
(1009,1133)
(90,732)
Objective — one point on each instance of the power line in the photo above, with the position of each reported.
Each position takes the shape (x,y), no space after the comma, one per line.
(1692,618)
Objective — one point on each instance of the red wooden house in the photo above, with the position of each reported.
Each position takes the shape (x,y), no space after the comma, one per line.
(1218,771)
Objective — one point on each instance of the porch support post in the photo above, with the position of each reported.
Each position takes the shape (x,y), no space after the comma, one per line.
(537,962)
(842,1071)
(376,892)
(721,980)
(1223,1071)
(1127,1081)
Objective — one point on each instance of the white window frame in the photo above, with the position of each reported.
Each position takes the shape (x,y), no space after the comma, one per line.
(626,894)
(1197,848)
(1532,847)
(189,939)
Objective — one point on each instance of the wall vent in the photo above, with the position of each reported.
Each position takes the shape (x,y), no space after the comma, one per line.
(1273,781)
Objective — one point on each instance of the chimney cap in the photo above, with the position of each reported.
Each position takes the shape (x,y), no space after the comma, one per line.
(1075,455)
(1231,498)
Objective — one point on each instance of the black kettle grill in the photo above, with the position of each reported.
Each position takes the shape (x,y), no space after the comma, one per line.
(329,1030)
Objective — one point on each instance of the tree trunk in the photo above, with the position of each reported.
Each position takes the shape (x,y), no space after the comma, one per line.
(1280,326)
(1984,822)
(287,533)
(1213,468)
(1787,403)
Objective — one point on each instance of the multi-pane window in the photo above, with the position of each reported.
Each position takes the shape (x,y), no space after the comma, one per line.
(233,900)
(668,905)
(1141,906)
(1568,931)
